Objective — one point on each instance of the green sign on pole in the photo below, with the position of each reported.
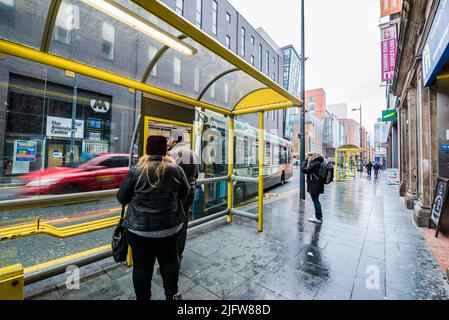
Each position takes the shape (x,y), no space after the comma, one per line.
(389,115)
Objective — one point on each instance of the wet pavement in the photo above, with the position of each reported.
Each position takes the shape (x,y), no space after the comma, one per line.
(368,247)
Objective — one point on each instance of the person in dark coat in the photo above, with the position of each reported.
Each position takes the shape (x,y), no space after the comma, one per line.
(369,167)
(153,191)
(376,167)
(315,187)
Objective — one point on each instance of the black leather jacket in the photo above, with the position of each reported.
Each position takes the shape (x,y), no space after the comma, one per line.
(314,185)
(153,208)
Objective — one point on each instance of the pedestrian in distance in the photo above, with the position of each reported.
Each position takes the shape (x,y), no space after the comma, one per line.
(369,167)
(315,187)
(153,191)
(183,156)
(376,169)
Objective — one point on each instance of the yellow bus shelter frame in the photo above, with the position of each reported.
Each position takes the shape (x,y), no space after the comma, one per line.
(344,173)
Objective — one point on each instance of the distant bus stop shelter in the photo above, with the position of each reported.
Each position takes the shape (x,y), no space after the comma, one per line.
(345,162)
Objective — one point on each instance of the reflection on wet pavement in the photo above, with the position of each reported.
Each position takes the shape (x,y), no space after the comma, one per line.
(367,248)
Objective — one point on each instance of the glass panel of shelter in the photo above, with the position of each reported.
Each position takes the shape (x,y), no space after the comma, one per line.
(87,35)
(22,21)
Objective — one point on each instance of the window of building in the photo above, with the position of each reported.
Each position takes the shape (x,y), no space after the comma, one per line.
(252,60)
(228,42)
(252,40)
(63,28)
(199,13)
(214,16)
(274,60)
(266,114)
(311,103)
(228,17)
(196,81)
(273,117)
(267,60)
(177,71)
(260,57)
(180,7)
(273,76)
(242,39)
(152,50)
(108,41)
(7,12)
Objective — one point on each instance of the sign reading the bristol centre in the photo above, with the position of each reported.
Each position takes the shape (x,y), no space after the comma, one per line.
(436,49)
(62,127)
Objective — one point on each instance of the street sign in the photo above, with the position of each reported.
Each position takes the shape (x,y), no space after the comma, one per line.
(439,206)
(389,115)
(392,174)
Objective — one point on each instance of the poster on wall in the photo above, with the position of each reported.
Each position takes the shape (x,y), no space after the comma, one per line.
(62,127)
(25,150)
(21,161)
(388,36)
(392,174)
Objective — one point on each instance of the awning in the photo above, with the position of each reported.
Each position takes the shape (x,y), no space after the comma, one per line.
(155,36)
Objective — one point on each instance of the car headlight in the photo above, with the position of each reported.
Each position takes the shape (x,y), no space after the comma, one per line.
(42,183)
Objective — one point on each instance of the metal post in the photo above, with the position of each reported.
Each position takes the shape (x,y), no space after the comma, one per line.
(72,135)
(302,181)
(361,145)
(230,167)
(261,162)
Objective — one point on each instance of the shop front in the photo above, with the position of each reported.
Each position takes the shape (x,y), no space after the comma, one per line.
(39,120)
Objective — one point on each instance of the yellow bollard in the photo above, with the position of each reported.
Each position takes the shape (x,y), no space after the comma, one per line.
(11,283)
(129,259)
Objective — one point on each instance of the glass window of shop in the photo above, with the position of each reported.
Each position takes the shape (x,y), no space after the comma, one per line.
(40,151)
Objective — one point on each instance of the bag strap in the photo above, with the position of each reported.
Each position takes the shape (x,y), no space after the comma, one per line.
(123,212)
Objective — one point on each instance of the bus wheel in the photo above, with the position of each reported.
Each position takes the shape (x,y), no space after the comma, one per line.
(239,193)
(283,178)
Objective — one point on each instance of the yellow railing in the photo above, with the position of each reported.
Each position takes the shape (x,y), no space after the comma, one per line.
(31,229)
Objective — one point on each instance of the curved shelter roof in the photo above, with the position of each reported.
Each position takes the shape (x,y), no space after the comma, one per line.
(349,147)
(146,24)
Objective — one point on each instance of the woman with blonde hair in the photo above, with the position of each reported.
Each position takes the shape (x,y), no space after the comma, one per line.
(153,190)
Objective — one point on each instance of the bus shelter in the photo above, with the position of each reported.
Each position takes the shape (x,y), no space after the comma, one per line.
(150,24)
(346,162)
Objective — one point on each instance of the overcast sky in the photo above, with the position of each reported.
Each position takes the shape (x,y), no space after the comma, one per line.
(342,43)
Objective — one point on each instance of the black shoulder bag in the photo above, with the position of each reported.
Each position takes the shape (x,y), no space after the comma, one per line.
(120,241)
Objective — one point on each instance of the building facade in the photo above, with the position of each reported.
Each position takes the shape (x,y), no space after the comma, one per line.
(421,84)
(340,110)
(352,131)
(381,133)
(291,79)
(334,134)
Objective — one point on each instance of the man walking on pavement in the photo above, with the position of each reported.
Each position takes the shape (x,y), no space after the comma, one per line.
(311,167)
(369,167)
(180,151)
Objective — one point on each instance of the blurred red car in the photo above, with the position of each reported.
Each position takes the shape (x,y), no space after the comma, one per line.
(105,171)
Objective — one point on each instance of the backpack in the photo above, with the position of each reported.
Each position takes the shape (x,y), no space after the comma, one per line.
(326,173)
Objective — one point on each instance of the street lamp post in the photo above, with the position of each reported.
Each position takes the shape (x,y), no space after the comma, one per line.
(360,109)
(302,153)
